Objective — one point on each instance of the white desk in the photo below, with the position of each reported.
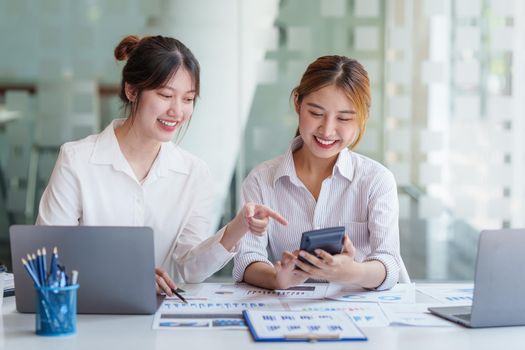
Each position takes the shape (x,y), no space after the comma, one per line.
(134,332)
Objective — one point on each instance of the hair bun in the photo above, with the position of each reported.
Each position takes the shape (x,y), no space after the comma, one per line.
(125,47)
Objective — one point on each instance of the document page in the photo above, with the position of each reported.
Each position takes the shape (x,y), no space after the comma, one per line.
(246,291)
(450,294)
(363,314)
(218,314)
(403,293)
(302,325)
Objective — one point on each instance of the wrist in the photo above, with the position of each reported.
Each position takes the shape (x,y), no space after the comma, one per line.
(234,231)
(240,223)
(237,228)
(356,273)
(277,283)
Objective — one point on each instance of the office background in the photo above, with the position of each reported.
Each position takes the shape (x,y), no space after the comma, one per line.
(447,117)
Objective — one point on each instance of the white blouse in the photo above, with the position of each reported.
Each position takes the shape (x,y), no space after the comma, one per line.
(93,184)
(361,195)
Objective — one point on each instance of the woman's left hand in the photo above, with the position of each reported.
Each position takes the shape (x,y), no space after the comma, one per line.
(333,268)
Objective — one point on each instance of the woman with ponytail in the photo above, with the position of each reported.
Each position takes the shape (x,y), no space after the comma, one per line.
(321,182)
(131,174)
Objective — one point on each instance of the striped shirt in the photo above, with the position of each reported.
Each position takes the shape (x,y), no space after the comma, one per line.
(361,195)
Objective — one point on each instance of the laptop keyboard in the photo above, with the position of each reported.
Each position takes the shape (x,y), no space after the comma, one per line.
(465,317)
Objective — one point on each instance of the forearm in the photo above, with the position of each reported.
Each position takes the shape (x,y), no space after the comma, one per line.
(369,274)
(196,261)
(261,274)
(234,231)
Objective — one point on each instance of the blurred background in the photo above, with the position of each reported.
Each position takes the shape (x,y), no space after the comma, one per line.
(448,87)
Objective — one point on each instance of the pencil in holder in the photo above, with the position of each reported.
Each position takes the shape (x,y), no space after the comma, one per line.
(56,310)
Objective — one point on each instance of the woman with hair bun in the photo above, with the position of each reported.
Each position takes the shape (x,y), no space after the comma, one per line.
(320,182)
(131,174)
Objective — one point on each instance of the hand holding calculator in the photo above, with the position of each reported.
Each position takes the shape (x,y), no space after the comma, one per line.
(329,239)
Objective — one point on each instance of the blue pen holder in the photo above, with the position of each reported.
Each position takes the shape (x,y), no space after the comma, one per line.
(56,310)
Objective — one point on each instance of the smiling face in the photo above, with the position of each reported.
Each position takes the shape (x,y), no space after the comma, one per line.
(327,122)
(162,111)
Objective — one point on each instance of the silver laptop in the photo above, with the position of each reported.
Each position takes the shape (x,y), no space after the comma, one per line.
(116,266)
(499,286)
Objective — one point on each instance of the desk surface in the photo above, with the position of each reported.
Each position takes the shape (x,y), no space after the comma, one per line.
(135,332)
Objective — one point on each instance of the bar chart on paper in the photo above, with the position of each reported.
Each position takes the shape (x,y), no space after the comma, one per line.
(217,306)
(245,291)
(297,291)
(363,314)
(400,293)
(416,315)
(307,326)
(220,314)
(450,294)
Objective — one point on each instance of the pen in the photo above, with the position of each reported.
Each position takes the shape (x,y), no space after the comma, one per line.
(74,277)
(52,278)
(35,262)
(35,266)
(31,273)
(30,262)
(178,295)
(54,259)
(39,270)
(44,268)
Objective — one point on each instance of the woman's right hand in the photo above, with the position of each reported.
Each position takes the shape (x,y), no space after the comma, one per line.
(252,218)
(287,275)
(163,282)
(256,217)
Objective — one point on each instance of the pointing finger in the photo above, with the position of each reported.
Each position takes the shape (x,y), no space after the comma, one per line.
(275,215)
